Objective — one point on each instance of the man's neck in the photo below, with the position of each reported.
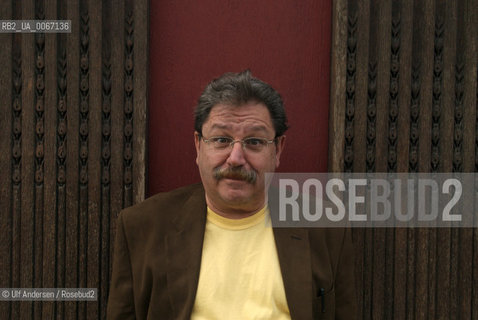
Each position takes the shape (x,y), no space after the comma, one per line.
(232,212)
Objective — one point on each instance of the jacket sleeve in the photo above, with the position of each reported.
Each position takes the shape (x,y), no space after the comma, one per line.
(345,293)
(121,300)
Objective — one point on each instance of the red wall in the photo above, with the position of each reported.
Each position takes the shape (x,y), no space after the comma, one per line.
(285,43)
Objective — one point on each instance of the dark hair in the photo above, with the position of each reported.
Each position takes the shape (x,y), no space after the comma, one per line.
(236,89)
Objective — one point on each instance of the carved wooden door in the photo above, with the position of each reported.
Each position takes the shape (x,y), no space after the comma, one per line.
(404,99)
(72,147)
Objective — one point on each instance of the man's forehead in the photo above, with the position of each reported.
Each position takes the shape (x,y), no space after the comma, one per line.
(237,113)
(229,126)
(249,111)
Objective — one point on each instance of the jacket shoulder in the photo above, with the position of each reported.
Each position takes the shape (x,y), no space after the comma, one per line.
(161,206)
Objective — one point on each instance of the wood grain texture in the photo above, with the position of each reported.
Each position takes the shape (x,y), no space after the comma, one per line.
(410,72)
(8,122)
(338,86)
(64,127)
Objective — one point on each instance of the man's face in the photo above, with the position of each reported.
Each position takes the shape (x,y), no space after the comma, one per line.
(233,194)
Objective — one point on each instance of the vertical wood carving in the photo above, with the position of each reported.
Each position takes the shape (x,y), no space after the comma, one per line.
(371,117)
(414,119)
(128,106)
(84,95)
(394,87)
(61,154)
(350,93)
(437,89)
(73,156)
(17,168)
(432,121)
(39,101)
(61,161)
(84,98)
(458,117)
(105,164)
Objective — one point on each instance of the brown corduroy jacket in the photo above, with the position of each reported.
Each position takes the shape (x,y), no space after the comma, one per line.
(157,257)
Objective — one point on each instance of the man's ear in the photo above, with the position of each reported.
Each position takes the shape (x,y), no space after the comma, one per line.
(197,138)
(279,147)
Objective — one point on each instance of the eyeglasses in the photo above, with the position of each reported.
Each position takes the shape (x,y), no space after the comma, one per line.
(250,144)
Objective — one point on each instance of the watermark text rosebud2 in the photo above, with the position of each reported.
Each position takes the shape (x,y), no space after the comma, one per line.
(373,200)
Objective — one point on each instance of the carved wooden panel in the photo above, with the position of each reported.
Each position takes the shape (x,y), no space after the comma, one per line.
(404,98)
(72,141)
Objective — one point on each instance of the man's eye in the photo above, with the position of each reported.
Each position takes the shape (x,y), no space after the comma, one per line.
(254,142)
(222,140)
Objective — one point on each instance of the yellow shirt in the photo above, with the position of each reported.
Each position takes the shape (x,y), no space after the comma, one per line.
(240,276)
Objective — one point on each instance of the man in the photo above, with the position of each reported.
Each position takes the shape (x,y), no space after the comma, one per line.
(207,251)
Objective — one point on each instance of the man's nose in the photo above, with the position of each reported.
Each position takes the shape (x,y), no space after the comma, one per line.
(236,157)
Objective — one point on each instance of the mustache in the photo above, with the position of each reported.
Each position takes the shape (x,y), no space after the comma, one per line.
(237,173)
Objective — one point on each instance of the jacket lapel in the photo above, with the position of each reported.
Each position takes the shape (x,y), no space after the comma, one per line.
(294,259)
(183,251)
